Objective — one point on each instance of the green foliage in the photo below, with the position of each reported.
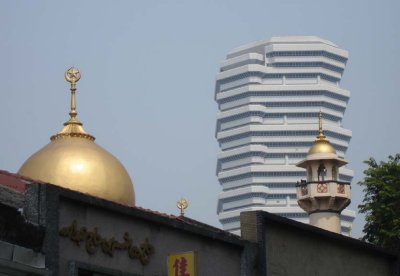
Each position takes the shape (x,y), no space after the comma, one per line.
(381,203)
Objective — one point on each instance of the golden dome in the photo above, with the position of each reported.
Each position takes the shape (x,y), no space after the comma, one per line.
(74,161)
(321,144)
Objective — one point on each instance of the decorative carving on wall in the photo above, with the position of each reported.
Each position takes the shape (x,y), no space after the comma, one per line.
(322,188)
(93,240)
(340,189)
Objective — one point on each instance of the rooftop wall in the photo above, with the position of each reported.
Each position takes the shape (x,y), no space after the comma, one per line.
(288,247)
(83,232)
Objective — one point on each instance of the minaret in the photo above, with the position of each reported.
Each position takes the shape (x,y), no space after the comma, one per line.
(322,196)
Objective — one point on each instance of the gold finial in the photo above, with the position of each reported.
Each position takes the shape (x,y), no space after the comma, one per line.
(182,204)
(321,131)
(73,127)
(321,143)
(72,75)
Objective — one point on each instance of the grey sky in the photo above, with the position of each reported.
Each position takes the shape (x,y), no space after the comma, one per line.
(148,75)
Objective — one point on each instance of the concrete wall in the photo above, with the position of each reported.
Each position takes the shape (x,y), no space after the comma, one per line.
(288,247)
(299,253)
(214,256)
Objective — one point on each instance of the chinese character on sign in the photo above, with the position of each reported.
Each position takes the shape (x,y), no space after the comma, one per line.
(182,264)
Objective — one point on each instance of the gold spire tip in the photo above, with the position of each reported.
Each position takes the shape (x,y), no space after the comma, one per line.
(321,131)
(182,204)
(72,75)
(73,127)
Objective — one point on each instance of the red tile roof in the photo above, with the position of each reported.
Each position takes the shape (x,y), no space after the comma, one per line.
(14,181)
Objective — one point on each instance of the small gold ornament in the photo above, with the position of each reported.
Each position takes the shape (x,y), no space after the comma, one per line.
(182,204)
(72,75)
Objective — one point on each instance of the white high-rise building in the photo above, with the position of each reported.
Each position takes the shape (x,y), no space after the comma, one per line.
(269,95)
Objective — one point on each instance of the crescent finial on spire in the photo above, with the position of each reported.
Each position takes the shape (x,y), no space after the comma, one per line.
(72,75)
(72,127)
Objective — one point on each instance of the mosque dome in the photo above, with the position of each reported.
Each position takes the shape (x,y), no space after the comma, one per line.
(74,161)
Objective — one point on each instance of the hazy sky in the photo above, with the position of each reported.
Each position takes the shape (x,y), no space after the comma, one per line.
(148,75)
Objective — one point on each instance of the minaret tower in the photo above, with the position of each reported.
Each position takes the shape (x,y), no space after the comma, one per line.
(322,196)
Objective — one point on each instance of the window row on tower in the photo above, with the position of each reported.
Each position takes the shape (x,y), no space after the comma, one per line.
(259,195)
(298,174)
(242,63)
(285,134)
(306,64)
(286,93)
(333,105)
(263,155)
(248,118)
(284,146)
(306,54)
(288,115)
(221,84)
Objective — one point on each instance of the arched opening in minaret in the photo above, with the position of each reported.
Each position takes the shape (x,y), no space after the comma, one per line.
(334,173)
(321,172)
(309,174)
